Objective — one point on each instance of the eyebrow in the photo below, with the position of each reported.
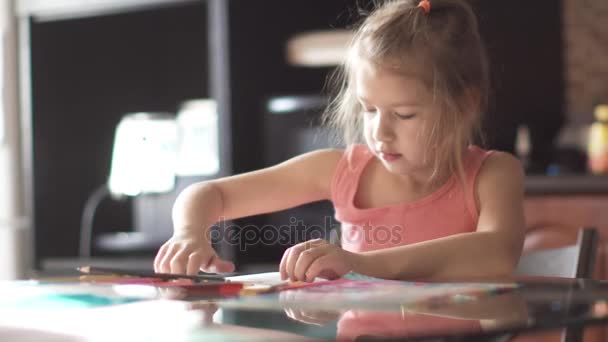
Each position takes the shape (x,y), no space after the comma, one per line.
(403,104)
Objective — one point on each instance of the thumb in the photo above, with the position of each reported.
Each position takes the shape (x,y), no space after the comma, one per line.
(218,265)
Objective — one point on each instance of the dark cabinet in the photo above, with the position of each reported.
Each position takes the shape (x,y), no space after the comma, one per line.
(86,73)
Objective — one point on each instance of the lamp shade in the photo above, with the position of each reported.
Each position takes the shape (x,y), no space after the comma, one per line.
(144,154)
(198,152)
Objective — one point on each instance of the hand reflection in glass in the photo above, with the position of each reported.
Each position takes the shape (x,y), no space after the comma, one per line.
(238,332)
(308,316)
(207,309)
(486,313)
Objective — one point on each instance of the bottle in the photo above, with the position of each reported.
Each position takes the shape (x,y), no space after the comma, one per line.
(598,141)
(523,145)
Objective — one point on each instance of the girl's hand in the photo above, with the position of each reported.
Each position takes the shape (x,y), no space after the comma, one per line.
(315,258)
(186,253)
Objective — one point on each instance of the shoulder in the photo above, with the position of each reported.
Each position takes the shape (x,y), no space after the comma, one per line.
(500,172)
(501,164)
(317,166)
(330,157)
(317,161)
(327,157)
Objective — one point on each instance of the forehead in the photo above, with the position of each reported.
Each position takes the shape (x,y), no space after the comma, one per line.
(383,85)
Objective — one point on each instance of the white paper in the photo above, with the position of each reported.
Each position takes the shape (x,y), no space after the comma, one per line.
(268,278)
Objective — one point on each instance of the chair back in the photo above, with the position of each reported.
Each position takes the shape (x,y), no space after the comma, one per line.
(576,261)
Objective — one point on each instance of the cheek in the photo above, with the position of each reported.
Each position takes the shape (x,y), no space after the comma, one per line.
(422,131)
(413,132)
(415,140)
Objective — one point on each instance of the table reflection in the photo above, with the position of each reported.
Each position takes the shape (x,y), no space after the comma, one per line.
(532,306)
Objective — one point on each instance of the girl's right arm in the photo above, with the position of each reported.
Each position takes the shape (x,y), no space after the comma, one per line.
(303,179)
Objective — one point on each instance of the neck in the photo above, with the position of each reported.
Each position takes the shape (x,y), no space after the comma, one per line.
(422,182)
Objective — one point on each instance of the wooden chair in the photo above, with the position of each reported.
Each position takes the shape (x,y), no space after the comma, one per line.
(575,261)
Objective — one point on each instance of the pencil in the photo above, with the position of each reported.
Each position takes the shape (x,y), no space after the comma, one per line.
(84,277)
(150,274)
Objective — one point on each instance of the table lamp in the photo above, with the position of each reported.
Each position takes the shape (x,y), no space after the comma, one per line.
(143,162)
(144,155)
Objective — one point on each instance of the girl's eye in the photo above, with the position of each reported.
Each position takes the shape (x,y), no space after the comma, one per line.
(405,116)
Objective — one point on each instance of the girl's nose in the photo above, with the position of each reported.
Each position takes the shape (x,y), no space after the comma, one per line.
(383,130)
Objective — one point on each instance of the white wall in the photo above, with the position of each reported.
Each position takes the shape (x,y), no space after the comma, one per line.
(15,246)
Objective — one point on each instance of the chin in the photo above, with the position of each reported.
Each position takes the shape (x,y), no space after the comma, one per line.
(400,168)
(396,168)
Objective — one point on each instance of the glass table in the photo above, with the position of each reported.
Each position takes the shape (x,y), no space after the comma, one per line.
(475,310)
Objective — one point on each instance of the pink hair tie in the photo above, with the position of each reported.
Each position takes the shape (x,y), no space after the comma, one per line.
(426,6)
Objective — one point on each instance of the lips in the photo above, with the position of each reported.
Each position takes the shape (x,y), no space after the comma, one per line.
(388,156)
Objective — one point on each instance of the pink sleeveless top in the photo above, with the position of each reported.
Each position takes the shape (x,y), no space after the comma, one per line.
(449,210)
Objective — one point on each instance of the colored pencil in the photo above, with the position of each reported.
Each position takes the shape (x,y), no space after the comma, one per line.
(150,274)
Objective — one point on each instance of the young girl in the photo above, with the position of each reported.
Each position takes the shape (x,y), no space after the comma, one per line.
(417,199)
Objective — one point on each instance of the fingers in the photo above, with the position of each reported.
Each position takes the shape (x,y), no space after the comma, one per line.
(306,259)
(183,258)
(183,261)
(179,262)
(283,264)
(328,267)
(218,265)
(165,264)
(159,256)
(295,253)
(195,260)
(223,266)
(319,265)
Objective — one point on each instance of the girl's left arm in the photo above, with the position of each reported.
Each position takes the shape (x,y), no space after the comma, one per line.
(492,250)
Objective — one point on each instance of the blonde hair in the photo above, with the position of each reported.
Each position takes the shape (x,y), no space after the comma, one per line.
(447,43)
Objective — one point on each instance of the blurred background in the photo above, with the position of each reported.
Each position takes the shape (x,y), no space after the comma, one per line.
(249,76)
